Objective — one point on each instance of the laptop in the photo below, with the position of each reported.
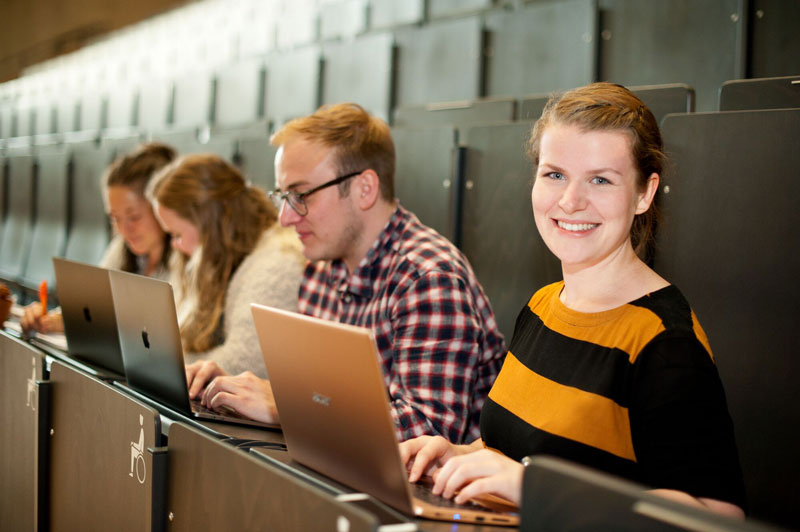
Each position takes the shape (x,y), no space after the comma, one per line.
(335,415)
(554,488)
(87,308)
(152,353)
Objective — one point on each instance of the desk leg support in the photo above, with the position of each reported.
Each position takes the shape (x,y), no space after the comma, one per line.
(42,454)
(158,492)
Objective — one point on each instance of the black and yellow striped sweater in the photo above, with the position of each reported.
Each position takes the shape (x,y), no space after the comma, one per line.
(633,391)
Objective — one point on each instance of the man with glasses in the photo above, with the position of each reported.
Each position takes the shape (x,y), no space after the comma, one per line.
(373,264)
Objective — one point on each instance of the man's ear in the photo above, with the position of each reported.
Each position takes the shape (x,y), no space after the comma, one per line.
(366,189)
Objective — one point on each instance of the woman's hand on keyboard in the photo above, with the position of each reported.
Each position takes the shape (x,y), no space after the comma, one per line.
(485,471)
(426,454)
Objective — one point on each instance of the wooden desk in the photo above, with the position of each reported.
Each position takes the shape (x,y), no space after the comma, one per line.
(105,467)
(214,486)
(22,425)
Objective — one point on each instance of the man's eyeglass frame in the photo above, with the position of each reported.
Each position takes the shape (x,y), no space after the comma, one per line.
(297,200)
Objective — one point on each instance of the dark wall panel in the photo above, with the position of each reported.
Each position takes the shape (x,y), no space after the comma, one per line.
(648,42)
(50,231)
(541,48)
(439,62)
(387,13)
(240,93)
(256,158)
(88,234)
(426,179)
(360,71)
(775,39)
(20,201)
(293,84)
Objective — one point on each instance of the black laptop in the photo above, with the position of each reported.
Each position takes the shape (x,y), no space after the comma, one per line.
(152,353)
(90,325)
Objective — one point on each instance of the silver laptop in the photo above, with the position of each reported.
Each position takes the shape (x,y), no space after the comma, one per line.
(87,307)
(334,411)
(151,347)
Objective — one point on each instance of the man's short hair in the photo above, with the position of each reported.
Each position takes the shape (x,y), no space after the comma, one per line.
(361,141)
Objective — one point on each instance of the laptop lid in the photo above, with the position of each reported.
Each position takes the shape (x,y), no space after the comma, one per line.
(334,410)
(553,486)
(152,352)
(150,338)
(87,307)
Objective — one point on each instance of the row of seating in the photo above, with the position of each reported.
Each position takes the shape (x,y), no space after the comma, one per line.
(486,54)
(48,217)
(439,166)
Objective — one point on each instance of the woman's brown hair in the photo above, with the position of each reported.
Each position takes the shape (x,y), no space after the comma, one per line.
(230,216)
(610,107)
(134,171)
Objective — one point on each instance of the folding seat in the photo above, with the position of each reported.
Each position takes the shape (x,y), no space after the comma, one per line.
(49,233)
(89,229)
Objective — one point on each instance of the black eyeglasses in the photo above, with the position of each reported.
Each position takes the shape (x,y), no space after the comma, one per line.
(297,200)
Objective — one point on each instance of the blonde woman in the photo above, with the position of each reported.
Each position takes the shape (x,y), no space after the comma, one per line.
(230,253)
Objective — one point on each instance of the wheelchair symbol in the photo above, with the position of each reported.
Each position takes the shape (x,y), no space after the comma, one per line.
(137,455)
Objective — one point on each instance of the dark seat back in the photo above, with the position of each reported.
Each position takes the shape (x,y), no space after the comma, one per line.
(730,240)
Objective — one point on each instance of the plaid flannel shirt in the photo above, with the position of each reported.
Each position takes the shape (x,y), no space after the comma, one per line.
(437,336)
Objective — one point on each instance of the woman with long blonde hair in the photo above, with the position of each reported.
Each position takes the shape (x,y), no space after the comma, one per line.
(231,252)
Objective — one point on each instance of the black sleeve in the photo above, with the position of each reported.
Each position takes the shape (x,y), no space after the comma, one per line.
(682,432)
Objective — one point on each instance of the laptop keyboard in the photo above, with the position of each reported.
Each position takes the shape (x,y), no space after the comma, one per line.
(198,408)
(422,491)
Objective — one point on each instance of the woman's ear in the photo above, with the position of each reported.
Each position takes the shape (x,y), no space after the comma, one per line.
(646,197)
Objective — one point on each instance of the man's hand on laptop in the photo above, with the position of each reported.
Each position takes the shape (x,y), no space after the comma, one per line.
(249,395)
(199,374)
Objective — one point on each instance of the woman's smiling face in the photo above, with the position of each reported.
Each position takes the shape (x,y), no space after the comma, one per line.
(586,194)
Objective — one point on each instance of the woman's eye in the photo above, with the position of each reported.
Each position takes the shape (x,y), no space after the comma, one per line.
(597,180)
(555,175)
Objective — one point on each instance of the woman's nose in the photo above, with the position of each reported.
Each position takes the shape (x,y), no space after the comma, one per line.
(573,198)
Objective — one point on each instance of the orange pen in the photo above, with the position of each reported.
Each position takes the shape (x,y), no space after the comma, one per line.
(43,297)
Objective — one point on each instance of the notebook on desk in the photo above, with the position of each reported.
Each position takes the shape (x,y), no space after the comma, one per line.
(87,308)
(152,353)
(330,394)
